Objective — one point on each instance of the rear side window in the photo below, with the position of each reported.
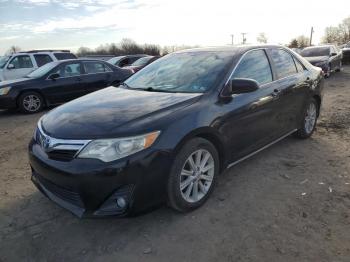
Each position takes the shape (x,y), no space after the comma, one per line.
(42,59)
(63,56)
(95,67)
(22,61)
(254,65)
(284,63)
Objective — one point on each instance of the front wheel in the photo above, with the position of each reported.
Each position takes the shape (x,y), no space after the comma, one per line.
(307,127)
(193,175)
(30,102)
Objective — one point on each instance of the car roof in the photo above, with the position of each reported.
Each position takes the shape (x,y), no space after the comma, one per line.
(234,49)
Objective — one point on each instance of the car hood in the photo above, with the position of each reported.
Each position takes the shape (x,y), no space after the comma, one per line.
(103,114)
(13,82)
(316,59)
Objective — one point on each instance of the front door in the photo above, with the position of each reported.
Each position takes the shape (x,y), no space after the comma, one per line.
(68,86)
(18,67)
(251,119)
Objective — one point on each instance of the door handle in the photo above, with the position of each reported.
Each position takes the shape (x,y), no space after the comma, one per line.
(78,79)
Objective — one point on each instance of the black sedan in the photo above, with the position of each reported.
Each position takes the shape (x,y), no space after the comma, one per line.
(141,63)
(168,132)
(327,57)
(59,82)
(124,60)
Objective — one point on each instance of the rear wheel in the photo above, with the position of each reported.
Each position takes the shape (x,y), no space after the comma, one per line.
(307,127)
(30,102)
(193,175)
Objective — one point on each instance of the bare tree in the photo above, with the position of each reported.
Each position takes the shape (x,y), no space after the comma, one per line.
(294,43)
(303,41)
(13,49)
(262,38)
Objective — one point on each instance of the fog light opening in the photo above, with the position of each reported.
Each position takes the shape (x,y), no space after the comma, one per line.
(121,202)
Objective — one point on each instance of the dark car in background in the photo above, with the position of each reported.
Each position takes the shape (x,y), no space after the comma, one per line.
(141,63)
(124,60)
(346,53)
(327,57)
(171,128)
(58,82)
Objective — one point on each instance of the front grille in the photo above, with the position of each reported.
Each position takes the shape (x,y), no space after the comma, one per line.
(62,155)
(60,192)
(58,149)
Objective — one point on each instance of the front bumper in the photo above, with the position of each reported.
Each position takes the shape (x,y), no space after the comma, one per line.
(7,102)
(90,187)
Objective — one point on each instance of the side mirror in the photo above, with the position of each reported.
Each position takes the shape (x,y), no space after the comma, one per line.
(54,76)
(240,86)
(11,66)
(334,54)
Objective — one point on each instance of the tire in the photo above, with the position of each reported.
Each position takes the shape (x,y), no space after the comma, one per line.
(328,74)
(202,179)
(339,68)
(30,102)
(309,120)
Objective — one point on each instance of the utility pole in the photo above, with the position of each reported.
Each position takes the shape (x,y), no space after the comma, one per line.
(312,31)
(232,39)
(243,38)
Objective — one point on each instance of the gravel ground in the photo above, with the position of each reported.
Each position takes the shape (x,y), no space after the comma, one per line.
(291,202)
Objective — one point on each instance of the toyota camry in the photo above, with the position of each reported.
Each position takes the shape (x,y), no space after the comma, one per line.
(166,133)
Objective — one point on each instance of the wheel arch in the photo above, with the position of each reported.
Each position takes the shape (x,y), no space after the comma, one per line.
(46,102)
(212,136)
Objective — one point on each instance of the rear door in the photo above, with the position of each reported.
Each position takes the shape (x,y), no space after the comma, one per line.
(251,120)
(68,86)
(96,76)
(18,67)
(291,87)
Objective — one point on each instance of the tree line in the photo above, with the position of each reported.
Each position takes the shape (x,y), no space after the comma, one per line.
(339,34)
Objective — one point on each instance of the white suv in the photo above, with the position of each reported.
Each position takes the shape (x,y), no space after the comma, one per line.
(20,64)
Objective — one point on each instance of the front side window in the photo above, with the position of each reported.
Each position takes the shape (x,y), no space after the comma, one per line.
(186,72)
(42,59)
(22,61)
(95,67)
(254,65)
(284,63)
(69,70)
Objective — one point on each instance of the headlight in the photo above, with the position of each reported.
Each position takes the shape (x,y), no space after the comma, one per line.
(112,149)
(4,90)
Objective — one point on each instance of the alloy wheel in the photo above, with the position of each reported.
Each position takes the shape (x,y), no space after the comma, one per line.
(197,176)
(31,103)
(310,118)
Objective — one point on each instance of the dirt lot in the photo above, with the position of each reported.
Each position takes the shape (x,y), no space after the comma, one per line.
(288,203)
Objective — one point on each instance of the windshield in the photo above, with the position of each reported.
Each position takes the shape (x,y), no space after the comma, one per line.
(41,71)
(3,60)
(316,51)
(114,60)
(192,72)
(348,45)
(142,61)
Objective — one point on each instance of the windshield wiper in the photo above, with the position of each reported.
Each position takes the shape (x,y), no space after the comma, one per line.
(151,89)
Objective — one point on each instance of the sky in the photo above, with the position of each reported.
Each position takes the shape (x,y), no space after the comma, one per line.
(44,24)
